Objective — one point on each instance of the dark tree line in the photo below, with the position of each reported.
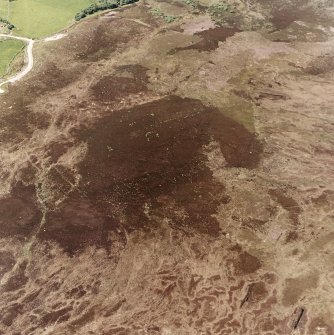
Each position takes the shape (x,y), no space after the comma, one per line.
(9,25)
(101,5)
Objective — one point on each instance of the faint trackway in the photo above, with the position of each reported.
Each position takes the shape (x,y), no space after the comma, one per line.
(30,60)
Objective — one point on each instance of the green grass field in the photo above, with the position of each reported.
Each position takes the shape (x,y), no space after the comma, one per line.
(39,18)
(4,9)
(8,50)
(35,19)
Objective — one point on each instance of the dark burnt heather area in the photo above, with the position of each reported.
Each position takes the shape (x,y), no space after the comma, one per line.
(150,156)
(20,213)
(209,39)
(128,79)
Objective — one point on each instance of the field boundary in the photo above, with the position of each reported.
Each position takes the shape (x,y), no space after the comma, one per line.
(12,60)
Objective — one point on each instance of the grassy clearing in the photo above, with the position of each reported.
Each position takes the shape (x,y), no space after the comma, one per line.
(39,18)
(8,50)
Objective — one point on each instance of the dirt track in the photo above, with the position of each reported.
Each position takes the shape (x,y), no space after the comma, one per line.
(29,56)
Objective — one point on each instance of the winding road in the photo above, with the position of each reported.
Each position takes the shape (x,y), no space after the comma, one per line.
(29,56)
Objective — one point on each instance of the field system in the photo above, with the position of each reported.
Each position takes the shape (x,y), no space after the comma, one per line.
(34,19)
(39,18)
(9,49)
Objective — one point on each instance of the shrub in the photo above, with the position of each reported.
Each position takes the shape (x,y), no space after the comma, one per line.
(170,18)
(9,25)
(101,5)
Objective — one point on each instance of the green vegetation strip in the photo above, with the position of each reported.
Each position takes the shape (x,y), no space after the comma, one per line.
(6,23)
(9,49)
(100,6)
